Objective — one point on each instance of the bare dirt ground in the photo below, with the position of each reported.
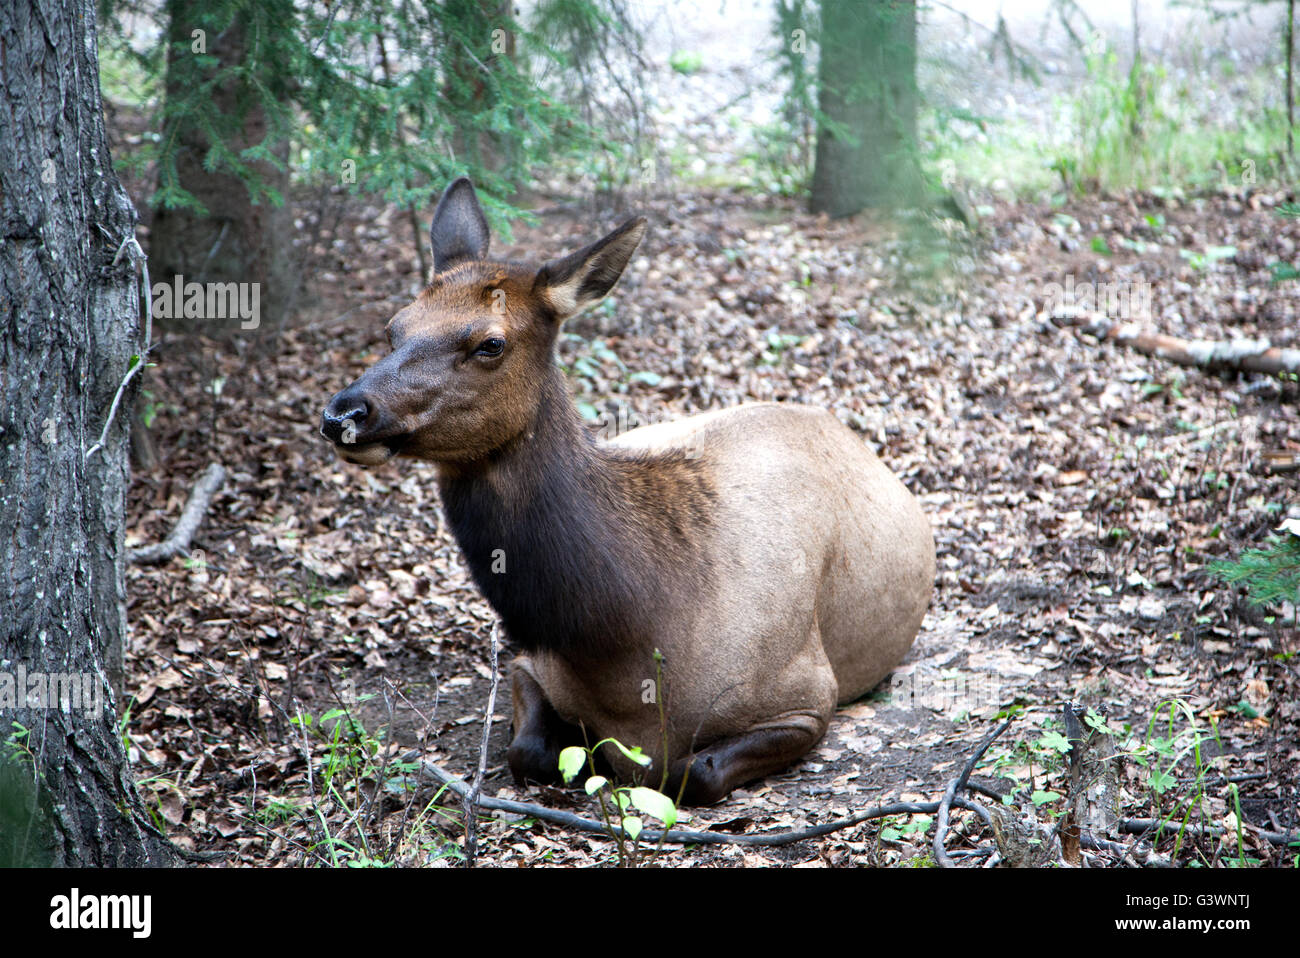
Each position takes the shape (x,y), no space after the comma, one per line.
(1076,492)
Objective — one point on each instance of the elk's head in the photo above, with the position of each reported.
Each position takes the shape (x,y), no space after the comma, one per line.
(470,355)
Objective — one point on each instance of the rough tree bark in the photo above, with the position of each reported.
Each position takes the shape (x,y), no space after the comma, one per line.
(866,77)
(68,332)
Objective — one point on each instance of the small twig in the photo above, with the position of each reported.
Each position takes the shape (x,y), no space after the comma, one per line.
(472,798)
(950,794)
(311,784)
(973,852)
(326,32)
(131,246)
(1015,51)
(1142,826)
(428,726)
(201,497)
(1252,777)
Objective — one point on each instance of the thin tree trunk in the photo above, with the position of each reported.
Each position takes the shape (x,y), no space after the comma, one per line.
(866,137)
(68,332)
(1289,43)
(233,239)
(412,215)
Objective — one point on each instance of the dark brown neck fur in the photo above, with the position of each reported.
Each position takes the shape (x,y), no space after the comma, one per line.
(594,540)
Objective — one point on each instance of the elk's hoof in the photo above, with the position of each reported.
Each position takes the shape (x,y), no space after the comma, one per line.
(533,758)
(705,781)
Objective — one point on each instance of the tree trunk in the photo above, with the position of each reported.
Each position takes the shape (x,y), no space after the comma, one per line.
(479,32)
(68,332)
(232,239)
(866,136)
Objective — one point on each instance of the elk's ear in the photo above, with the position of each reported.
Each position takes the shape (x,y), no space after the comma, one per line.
(571,284)
(459,230)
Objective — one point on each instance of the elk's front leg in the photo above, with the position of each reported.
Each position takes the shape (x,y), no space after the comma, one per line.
(540,733)
(714,771)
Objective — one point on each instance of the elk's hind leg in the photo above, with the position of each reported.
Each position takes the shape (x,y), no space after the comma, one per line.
(540,733)
(714,771)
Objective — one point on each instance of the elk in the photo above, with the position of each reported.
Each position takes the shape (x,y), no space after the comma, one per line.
(770,557)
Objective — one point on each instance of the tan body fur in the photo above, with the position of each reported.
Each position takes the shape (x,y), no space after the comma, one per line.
(824,563)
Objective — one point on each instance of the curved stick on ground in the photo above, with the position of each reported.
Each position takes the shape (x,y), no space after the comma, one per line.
(205,490)
(687,836)
(949,796)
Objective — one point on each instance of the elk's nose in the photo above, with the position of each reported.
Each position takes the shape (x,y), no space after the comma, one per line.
(345,417)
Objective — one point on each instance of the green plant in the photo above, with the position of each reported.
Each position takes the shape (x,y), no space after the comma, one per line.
(124,725)
(686,62)
(1135,125)
(312,592)
(1173,388)
(784,149)
(26,828)
(1285,271)
(618,802)
(279,811)
(352,774)
(1212,255)
(158,784)
(16,746)
(777,344)
(149,411)
(1183,738)
(1241,861)
(918,826)
(775,161)
(1044,752)
(1270,574)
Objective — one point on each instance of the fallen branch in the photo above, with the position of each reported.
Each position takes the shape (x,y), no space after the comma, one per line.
(1246,355)
(429,770)
(201,496)
(1281,460)
(1144,826)
(950,794)
(1142,854)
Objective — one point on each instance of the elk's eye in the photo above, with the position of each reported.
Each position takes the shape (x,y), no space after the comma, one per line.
(491,347)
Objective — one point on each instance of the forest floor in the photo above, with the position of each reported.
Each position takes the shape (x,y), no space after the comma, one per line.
(1076,489)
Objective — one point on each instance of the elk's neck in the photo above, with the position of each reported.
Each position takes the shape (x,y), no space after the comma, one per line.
(574,545)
